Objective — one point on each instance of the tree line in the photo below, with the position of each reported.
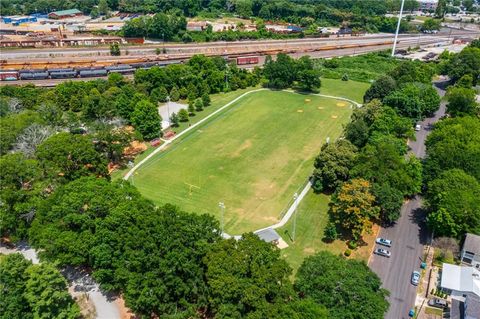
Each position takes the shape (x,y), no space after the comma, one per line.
(452,165)
(368,171)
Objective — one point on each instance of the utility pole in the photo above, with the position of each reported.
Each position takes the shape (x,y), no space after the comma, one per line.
(168,108)
(222,212)
(295,197)
(398,28)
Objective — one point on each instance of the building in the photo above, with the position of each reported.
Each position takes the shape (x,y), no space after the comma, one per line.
(16,20)
(196,26)
(462,283)
(268,235)
(63,14)
(470,254)
(428,5)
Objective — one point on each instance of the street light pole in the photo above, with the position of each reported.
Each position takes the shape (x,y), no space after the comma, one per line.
(295,197)
(398,28)
(168,108)
(222,212)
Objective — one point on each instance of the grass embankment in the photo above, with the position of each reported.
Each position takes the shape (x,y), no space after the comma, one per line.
(364,68)
(252,157)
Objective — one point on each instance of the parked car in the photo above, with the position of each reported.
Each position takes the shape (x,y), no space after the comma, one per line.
(437,302)
(418,127)
(382,252)
(415,278)
(384,242)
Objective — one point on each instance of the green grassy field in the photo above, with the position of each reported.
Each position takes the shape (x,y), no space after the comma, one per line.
(253,157)
(312,217)
(349,89)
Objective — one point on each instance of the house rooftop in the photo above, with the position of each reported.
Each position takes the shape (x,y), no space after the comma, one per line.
(472,243)
(268,235)
(464,279)
(66,12)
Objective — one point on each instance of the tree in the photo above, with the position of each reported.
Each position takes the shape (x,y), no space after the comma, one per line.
(431,24)
(115,49)
(466,62)
(183,115)
(346,287)
(390,201)
(330,232)
(441,8)
(103,7)
(111,142)
(454,199)
(462,101)
(20,190)
(174,94)
(358,130)
(206,99)
(333,164)
(245,276)
(380,88)
(453,144)
(47,294)
(65,157)
(280,73)
(414,100)
(198,105)
(383,161)
(33,291)
(159,94)
(353,207)
(191,107)
(174,120)
(146,120)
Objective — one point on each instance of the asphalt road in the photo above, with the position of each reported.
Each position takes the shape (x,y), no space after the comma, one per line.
(409,235)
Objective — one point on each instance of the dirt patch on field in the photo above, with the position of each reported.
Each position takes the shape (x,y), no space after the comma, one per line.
(334,116)
(320,107)
(309,250)
(125,313)
(341,104)
(245,146)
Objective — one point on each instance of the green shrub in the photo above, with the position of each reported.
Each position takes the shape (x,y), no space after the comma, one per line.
(347,252)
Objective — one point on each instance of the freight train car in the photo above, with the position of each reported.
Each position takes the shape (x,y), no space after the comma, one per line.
(8,75)
(243,60)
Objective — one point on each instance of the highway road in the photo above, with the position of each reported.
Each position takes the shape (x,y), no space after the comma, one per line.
(409,235)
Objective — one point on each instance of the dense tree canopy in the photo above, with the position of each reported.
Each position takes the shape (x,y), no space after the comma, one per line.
(154,256)
(454,143)
(66,157)
(380,88)
(414,100)
(248,279)
(33,291)
(146,119)
(454,200)
(333,164)
(462,101)
(347,287)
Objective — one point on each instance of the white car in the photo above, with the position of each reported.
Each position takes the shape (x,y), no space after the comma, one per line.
(415,278)
(418,127)
(382,252)
(384,242)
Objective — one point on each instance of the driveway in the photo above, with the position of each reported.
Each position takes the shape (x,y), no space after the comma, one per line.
(409,235)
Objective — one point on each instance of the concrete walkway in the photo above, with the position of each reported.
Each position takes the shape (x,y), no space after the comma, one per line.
(167,109)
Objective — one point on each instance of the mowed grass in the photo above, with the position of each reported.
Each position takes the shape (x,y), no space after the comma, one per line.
(312,218)
(352,90)
(253,157)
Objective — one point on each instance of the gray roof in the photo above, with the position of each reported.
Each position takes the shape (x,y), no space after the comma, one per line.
(472,306)
(456,309)
(268,235)
(472,243)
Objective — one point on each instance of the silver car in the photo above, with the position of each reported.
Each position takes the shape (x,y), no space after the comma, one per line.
(415,278)
(382,252)
(384,242)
